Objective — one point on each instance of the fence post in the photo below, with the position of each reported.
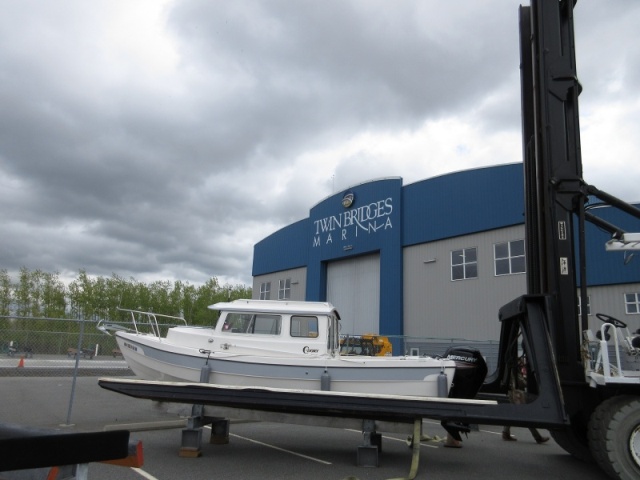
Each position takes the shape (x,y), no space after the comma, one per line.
(75,370)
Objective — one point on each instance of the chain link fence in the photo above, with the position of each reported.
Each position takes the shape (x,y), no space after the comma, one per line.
(61,347)
(57,347)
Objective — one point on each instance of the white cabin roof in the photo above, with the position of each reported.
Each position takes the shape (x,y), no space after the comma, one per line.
(277,306)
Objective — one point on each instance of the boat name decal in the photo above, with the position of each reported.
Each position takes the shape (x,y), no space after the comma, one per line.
(307,349)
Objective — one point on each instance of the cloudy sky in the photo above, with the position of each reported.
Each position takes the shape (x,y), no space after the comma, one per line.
(163,139)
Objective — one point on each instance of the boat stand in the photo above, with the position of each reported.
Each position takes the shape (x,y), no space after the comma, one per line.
(192,435)
(371,448)
(368,453)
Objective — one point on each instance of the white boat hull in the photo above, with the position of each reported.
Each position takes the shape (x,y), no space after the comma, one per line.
(153,358)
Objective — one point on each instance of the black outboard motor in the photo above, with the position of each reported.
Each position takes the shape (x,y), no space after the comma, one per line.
(471,370)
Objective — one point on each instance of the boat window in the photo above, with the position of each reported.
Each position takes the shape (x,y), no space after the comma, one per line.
(237,322)
(304,326)
(333,341)
(267,324)
(261,324)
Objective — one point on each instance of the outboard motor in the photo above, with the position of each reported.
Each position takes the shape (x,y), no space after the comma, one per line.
(471,370)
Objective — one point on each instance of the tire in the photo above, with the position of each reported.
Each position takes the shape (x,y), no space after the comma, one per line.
(614,437)
(573,440)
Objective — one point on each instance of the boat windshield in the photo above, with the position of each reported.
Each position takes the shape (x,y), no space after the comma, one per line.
(261,324)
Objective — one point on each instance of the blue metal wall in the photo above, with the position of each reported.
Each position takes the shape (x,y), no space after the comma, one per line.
(371,224)
(385,217)
(282,250)
(462,203)
(609,268)
(441,207)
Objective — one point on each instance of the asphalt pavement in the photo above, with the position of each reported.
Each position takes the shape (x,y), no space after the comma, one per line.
(258,450)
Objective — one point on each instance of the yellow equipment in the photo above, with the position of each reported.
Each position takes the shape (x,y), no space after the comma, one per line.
(369,344)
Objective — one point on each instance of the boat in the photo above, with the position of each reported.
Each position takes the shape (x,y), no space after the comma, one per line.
(274,344)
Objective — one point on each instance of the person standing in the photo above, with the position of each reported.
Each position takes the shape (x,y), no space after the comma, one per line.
(517,395)
(506,435)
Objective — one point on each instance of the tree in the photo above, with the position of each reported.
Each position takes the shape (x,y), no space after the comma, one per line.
(188,302)
(22,293)
(176,299)
(6,299)
(81,293)
(159,297)
(41,294)
(54,303)
(5,293)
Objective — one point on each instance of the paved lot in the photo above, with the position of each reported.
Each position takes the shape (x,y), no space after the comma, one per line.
(261,450)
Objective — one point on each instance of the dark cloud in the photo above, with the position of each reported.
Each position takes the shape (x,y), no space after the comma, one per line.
(163,140)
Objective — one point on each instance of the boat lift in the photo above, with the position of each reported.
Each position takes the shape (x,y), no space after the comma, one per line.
(372,413)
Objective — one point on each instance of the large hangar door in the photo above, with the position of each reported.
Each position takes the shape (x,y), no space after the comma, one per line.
(353,287)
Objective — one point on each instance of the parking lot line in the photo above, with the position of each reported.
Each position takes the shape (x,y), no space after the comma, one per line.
(397,439)
(324,462)
(144,474)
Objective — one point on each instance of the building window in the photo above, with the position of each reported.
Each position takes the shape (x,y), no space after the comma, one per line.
(509,257)
(284,289)
(580,305)
(632,303)
(464,264)
(265,291)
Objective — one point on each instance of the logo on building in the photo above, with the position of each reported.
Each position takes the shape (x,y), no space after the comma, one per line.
(345,225)
(348,199)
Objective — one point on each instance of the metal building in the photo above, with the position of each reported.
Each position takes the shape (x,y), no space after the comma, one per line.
(430,262)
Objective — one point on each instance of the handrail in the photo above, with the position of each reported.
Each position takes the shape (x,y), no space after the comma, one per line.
(151,319)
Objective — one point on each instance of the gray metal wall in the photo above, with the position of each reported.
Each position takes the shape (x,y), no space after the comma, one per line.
(610,300)
(435,306)
(436,309)
(353,287)
(298,278)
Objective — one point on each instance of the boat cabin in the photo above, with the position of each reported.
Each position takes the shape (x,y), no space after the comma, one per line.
(283,327)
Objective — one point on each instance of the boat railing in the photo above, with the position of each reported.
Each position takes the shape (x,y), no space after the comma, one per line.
(139,321)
